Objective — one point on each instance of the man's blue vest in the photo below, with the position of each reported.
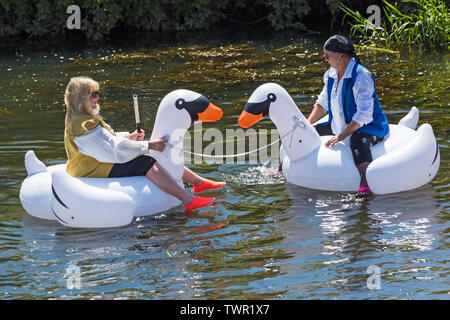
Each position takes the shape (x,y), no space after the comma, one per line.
(379,126)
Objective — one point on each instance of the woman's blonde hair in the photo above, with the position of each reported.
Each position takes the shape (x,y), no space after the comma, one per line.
(76,97)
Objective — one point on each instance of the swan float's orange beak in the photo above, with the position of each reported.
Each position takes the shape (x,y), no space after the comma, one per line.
(211,114)
(200,109)
(255,111)
(247,119)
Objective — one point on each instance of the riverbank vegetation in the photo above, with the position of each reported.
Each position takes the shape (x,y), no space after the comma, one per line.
(421,23)
(102,19)
(411,22)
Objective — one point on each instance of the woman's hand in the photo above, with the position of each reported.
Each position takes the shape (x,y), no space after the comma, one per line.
(157,145)
(138,136)
(333,141)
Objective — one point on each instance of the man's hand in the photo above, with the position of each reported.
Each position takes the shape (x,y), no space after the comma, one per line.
(333,141)
(316,113)
(351,127)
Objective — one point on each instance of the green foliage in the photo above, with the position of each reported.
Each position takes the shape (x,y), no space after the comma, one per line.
(285,14)
(100,18)
(417,22)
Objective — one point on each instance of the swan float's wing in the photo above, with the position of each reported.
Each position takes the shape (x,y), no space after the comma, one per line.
(411,119)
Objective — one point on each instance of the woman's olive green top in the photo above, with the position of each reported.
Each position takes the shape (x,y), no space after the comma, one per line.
(78,164)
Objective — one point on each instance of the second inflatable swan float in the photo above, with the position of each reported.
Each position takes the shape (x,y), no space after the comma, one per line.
(406,159)
(50,193)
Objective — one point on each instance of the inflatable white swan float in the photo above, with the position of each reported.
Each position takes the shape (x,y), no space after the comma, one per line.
(406,159)
(51,193)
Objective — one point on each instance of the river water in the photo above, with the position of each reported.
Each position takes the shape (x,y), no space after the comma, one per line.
(264,238)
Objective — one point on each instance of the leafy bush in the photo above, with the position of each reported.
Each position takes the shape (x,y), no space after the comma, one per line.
(100,18)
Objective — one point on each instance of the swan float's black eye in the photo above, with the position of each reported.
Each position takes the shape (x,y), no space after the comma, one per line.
(180,103)
(271,97)
(261,107)
(193,107)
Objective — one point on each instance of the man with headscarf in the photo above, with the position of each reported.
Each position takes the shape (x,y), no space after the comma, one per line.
(350,99)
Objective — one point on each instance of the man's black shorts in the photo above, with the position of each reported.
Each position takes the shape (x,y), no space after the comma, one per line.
(360,143)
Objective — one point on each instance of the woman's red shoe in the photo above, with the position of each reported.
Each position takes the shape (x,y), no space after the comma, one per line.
(198,202)
(208,185)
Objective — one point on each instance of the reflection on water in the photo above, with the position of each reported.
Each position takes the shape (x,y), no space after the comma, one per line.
(264,238)
(262,241)
(358,234)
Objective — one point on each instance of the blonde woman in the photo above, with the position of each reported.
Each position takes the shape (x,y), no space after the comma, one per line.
(95,150)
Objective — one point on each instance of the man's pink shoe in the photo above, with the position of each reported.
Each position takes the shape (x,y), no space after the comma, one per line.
(363,192)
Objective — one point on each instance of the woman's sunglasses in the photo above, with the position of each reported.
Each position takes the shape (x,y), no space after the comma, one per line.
(94,94)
